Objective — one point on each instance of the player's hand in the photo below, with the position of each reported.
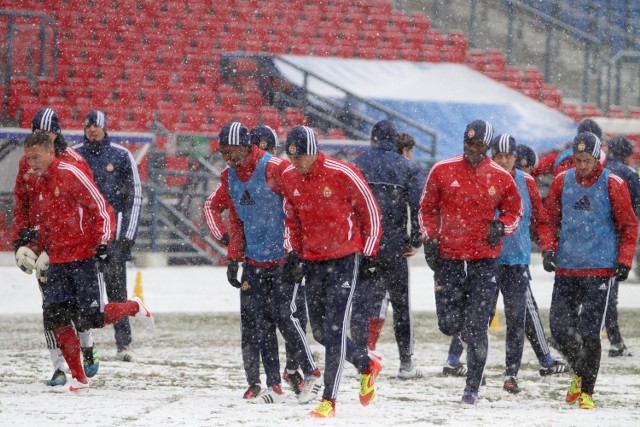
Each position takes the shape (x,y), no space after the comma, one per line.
(225,239)
(409,251)
(123,246)
(549,260)
(25,236)
(26,259)
(622,272)
(42,265)
(432,254)
(294,267)
(232,273)
(368,268)
(496,231)
(101,257)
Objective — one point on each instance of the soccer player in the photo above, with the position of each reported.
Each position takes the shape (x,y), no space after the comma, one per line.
(77,224)
(332,236)
(462,240)
(620,151)
(396,185)
(588,236)
(45,121)
(250,188)
(116,174)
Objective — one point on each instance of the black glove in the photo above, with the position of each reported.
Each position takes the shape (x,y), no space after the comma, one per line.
(123,246)
(25,236)
(622,272)
(232,273)
(294,267)
(225,239)
(549,260)
(496,231)
(368,268)
(432,254)
(101,257)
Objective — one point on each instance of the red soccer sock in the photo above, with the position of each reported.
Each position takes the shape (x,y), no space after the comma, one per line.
(70,348)
(115,311)
(375,328)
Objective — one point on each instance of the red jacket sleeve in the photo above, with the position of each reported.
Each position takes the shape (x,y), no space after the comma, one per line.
(21,211)
(510,207)
(549,225)
(368,211)
(545,164)
(429,207)
(292,229)
(273,173)
(101,219)
(624,218)
(217,202)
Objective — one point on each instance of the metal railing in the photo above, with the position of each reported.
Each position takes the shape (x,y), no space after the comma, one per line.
(349,104)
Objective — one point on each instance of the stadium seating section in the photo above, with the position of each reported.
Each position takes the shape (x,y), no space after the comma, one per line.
(613,21)
(146,60)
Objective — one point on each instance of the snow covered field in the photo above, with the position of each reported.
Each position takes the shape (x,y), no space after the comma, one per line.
(190,372)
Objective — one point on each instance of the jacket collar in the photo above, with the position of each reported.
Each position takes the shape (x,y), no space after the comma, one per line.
(97,147)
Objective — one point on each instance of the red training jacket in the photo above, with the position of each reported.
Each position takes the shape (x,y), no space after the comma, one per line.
(624,219)
(24,194)
(73,215)
(460,200)
(331,212)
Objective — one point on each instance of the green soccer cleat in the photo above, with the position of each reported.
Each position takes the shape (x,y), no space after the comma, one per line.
(58,378)
(90,361)
(575,389)
(586,401)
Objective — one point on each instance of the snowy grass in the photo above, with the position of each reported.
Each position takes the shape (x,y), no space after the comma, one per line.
(190,371)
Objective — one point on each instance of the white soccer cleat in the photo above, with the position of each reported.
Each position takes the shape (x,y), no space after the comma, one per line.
(410,374)
(273,394)
(144,316)
(76,387)
(126,355)
(311,388)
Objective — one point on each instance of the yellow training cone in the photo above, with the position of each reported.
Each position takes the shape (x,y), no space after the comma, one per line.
(137,289)
(495,322)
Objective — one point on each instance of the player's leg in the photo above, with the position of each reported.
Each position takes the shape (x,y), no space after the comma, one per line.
(534,331)
(342,281)
(59,377)
(513,281)
(284,307)
(397,279)
(249,343)
(589,325)
(563,316)
(481,289)
(260,283)
(366,306)
(59,309)
(450,295)
(115,277)
(618,348)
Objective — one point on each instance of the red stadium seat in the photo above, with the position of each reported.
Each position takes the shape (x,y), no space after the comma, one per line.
(591,110)
(572,111)
(615,112)
(294,117)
